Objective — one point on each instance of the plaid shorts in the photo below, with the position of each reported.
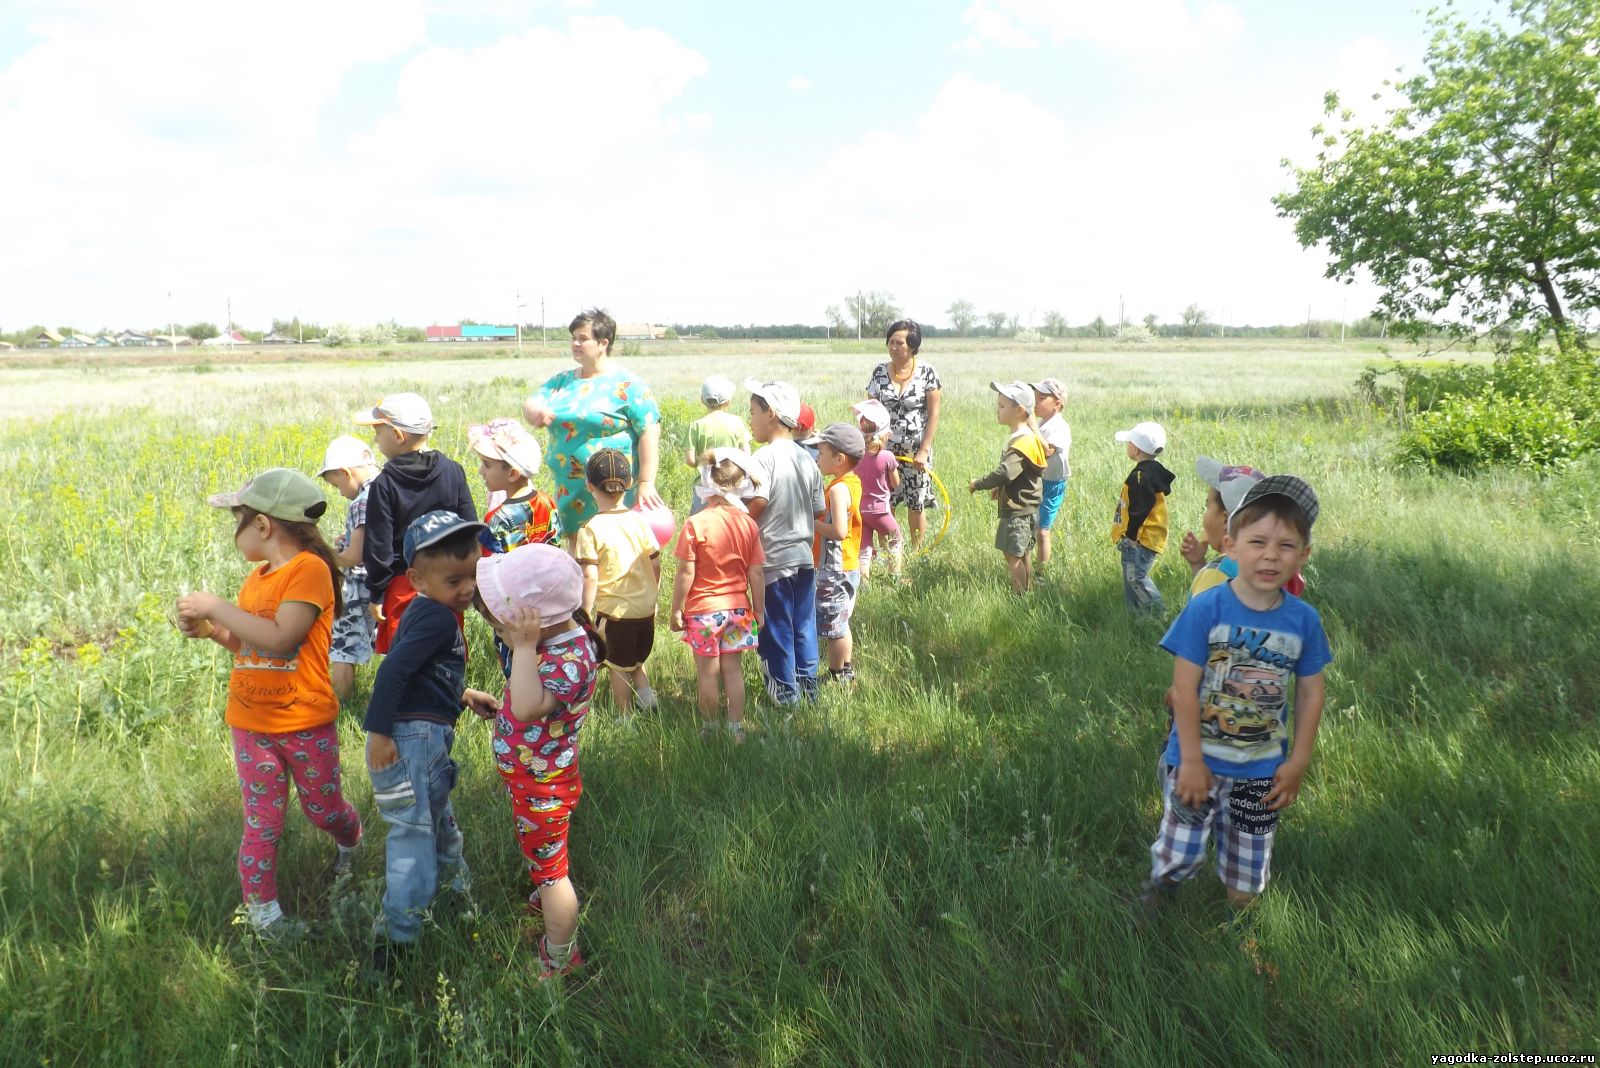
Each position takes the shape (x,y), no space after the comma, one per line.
(1244,830)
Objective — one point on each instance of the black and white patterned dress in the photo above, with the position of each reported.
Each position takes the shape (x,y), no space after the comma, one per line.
(908,421)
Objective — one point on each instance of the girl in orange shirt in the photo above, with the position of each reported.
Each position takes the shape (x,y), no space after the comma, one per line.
(281,704)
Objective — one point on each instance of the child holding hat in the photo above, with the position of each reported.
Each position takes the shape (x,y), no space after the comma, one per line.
(281,705)
(532,600)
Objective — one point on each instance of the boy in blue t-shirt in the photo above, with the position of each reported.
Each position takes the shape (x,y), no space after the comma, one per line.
(1231,768)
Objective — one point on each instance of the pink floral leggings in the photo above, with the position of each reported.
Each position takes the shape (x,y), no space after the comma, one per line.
(265,763)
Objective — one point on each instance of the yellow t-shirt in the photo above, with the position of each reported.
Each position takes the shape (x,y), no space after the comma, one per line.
(621,545)
(282,690)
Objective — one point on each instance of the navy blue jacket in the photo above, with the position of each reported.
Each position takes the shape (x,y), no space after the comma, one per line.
(410,485)
(424,673)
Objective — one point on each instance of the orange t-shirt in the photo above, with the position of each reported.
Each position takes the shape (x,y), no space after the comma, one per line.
(724,544)
(277,691)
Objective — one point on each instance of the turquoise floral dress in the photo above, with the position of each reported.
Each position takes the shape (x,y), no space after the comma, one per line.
(611,410)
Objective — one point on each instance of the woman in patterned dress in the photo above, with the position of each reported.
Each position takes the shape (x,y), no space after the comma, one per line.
(910,390)
(596,406)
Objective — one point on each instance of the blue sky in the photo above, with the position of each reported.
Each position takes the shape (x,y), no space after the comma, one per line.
(675,162)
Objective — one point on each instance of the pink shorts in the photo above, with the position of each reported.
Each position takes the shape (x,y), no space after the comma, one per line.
(727,630)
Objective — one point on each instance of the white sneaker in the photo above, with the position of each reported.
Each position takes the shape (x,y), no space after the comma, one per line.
(645,698)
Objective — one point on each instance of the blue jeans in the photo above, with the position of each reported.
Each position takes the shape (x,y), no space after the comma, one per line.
(787,640)
(413,796)
(1139,593)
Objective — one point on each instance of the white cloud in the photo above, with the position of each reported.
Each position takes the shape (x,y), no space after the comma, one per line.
(530,163)
(990,24)
(1145,28)
(536,99)
(799,83)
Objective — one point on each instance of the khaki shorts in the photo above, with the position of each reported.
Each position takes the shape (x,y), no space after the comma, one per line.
(1016,533)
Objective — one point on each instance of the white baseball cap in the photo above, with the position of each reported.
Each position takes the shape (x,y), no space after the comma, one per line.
(1146,437)
(346,451)
(781,397)
(406,412)
(1018,393)
(716,391)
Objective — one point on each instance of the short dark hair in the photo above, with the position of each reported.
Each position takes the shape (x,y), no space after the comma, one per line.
(458,546)
(1272,506)
(913,334)
(601,325)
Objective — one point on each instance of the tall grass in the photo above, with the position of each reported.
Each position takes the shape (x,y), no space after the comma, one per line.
(934,867)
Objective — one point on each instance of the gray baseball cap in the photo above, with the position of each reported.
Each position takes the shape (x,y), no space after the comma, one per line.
(1296,489)
(846,437)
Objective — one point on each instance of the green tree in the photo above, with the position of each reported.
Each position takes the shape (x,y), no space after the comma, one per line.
(1098,326)
(1476,201)
(997,321)
(1055,324)
(1150,323)
(873,312)
(837,323)
(962,315)
(1194,320)
(202,331)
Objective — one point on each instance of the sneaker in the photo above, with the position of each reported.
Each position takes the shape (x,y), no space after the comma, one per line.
(549,969)
(1153,897)
(344,861)
(281,931)
(387,957)
(645,699)
(736,733)
(533,906)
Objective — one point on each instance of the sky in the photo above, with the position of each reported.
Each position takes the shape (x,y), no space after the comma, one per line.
(693,161)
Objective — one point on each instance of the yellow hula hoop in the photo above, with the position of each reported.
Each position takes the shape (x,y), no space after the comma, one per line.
(944,497)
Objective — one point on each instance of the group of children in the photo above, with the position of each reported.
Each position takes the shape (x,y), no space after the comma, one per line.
(772,557)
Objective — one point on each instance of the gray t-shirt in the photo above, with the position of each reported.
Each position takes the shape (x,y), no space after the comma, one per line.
(792,484)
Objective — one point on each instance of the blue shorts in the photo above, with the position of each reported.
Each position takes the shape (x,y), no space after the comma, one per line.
(1050,505)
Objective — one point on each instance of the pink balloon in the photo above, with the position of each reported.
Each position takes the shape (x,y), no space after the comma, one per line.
(661,522)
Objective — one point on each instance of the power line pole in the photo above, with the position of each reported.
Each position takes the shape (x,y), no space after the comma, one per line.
(520,306)
(172,329)
(541,320)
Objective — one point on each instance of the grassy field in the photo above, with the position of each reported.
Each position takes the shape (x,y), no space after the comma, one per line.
(934,868)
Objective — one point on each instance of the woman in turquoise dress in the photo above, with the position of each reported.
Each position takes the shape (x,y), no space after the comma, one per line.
(596,405)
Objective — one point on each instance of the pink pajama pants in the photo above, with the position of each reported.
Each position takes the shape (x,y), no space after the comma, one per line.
(266,762)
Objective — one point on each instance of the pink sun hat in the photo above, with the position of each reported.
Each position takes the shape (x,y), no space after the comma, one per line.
(541,577)
(507,440)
